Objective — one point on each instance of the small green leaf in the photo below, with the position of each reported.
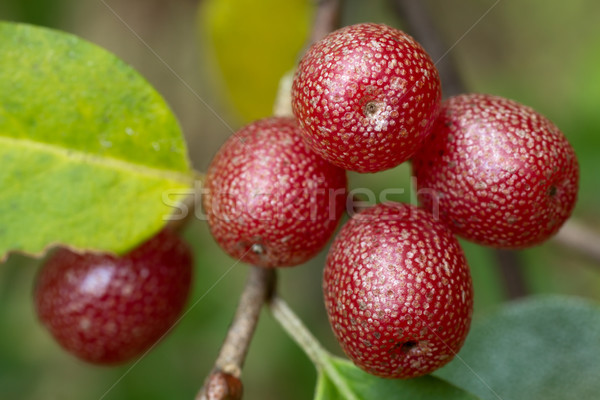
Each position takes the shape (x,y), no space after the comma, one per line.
(538,348)
(368,387)
(326,389)
(253,44)
(89,151)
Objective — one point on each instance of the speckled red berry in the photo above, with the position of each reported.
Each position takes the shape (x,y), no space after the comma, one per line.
(398,291)
(366,96)
(108,310)
(497,172)
(270,201)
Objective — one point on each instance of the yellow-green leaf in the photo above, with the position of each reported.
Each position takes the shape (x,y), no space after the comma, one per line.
(88,149)
(253,43)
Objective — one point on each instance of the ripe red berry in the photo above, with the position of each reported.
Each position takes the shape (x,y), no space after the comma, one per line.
(106,309)
(366,96)
(398,291)
(270,201)
(499,173)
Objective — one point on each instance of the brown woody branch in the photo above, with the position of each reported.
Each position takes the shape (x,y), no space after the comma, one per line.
(223,383)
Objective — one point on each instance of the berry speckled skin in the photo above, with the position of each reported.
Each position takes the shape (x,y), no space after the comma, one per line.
(497,172)
(398,291)
(270,201)
(366,97)
(109,310)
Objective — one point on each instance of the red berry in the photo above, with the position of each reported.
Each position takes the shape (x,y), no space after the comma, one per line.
(270,201)
(108,310)
(366,96)
(398,291)
(497,172)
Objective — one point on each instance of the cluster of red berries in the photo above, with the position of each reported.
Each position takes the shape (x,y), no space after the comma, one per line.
(396,284)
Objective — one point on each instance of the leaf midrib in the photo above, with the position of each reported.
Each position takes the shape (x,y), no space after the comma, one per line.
(78,156)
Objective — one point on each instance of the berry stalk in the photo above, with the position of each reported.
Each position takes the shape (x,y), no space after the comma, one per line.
(188,205)
(320,357)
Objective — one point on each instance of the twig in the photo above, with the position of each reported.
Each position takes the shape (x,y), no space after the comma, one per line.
(221,386)
(577,236)
(419,22)
(421,26)
(510,270)
(224,383)
(327,18)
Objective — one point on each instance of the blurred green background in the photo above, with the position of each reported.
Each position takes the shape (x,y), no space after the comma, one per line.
(545,54)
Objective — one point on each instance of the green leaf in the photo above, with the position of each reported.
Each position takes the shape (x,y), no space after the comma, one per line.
(252,52)
(538,348)
(88,148)
(326,389)
(368,387)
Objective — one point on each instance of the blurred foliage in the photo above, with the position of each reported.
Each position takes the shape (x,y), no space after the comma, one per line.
(50,13)
(534,349)
(539,53)
(252,44)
